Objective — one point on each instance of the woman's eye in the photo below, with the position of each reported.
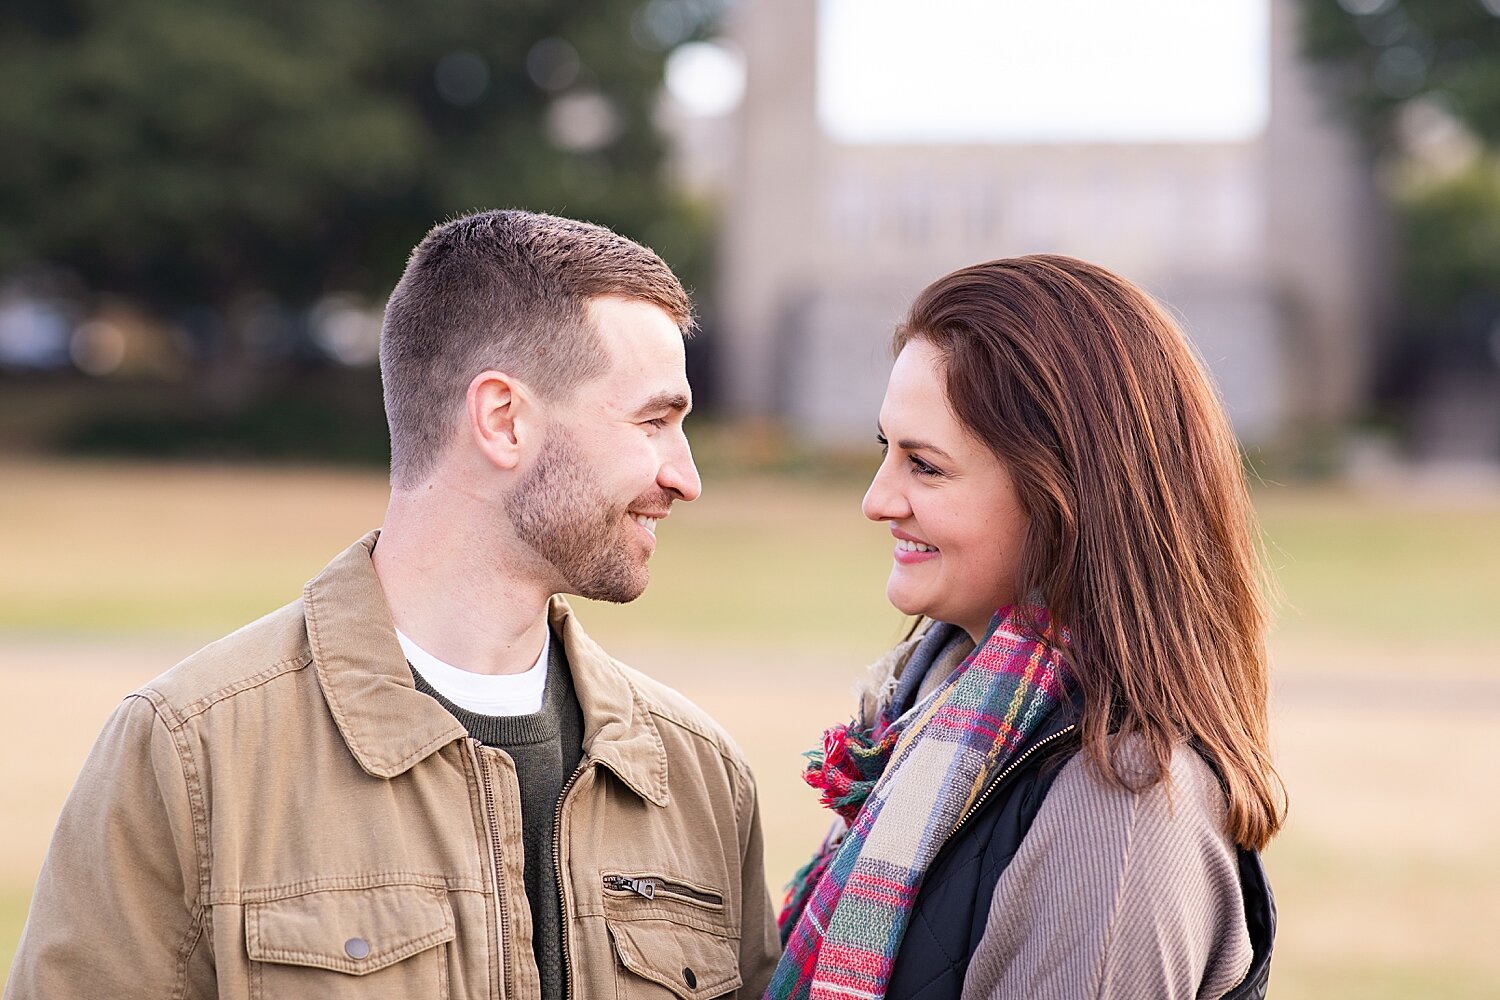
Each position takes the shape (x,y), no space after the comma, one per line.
(921,468)
(885,446)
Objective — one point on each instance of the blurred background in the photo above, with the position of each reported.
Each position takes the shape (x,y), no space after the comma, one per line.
(203,205)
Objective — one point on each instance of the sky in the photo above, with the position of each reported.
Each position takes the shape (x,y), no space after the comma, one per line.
(897,71)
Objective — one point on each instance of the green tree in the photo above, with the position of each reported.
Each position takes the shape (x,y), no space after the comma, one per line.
(1450,236)
(1420,79)
(224,164)
(1385,53)
(183,152)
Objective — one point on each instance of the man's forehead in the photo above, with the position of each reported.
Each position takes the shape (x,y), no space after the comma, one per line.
(610,310)
(651,382)
(647,355)
(629,327)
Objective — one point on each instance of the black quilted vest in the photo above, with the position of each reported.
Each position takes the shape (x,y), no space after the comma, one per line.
(954,901)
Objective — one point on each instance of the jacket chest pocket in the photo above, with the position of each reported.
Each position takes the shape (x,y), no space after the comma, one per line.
(384,941)
(671,938)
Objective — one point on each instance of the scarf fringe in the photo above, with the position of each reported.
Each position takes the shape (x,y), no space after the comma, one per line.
(848,766)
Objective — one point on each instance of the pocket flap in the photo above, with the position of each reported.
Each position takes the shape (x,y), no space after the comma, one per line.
(349,930)
(693,963)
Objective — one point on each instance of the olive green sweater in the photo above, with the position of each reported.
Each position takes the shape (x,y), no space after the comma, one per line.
(546,748)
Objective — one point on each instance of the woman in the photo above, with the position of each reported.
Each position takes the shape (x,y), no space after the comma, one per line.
(1059,789)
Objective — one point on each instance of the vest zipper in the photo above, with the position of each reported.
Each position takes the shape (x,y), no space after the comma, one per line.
(562,881)
(969,813)
(501,907)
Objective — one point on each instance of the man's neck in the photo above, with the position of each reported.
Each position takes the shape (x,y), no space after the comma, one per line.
(462,597)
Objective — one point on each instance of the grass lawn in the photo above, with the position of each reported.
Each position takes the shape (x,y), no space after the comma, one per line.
(767,597)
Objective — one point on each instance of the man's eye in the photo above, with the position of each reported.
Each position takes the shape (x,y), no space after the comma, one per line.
(657,422)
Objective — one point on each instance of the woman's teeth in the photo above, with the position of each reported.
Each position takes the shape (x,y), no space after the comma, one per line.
(649,523)
(902,545)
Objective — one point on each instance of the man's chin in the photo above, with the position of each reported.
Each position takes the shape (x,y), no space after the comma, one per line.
(619,591)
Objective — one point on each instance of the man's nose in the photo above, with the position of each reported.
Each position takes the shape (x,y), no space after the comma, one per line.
(678,473)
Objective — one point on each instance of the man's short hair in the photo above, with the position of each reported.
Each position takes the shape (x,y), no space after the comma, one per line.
(508,291)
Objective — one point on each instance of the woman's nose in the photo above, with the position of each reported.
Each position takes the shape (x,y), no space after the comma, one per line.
(883,501)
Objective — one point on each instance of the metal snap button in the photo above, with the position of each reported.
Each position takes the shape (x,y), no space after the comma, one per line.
(357,948)
(690,978)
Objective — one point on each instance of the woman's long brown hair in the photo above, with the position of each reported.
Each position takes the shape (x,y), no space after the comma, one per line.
(1142,539)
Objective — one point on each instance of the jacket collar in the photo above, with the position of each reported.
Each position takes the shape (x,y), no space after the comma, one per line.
(619,730)
(389,726)
(386,722)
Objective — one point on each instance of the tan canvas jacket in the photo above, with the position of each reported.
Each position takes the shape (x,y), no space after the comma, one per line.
(284,815)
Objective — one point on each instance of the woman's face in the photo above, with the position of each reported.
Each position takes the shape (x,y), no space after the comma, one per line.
(956,521)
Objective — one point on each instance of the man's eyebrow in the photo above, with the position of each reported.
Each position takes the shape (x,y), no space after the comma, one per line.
(675,401)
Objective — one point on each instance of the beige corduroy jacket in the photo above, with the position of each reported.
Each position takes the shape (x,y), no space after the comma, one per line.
(284,815)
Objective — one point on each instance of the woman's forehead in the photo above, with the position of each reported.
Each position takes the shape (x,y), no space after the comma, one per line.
(916,398)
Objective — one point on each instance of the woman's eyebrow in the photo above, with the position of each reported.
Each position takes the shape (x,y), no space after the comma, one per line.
(908,444)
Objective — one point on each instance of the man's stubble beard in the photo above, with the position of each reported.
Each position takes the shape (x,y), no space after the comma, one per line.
(559,511)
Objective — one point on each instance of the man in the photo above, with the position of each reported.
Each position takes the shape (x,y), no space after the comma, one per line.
(423,779)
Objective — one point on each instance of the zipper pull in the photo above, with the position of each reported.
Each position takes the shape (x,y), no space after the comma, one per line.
(640,886)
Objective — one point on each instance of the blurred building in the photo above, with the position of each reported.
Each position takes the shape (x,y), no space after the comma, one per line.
(1269,249)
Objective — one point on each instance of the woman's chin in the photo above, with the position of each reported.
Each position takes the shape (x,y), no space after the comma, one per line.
(904,602)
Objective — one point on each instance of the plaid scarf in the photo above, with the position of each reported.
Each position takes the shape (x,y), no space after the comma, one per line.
(851,908)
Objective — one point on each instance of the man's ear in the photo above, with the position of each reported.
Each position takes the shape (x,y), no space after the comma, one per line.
(502,414)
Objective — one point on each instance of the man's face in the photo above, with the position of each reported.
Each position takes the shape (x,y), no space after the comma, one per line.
(614,459)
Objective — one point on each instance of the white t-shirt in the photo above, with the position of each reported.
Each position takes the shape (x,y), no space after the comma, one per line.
(486,694)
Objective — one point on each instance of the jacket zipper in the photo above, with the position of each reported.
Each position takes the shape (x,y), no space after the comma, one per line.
(969,813)
(562,882)
(501,908)
(650,887)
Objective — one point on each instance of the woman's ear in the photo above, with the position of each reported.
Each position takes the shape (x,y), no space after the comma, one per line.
(501,413)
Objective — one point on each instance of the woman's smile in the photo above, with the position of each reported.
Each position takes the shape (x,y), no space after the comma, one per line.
(911,550)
